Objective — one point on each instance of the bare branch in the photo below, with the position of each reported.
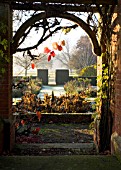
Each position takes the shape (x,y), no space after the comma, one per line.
(102,2)
(42,39)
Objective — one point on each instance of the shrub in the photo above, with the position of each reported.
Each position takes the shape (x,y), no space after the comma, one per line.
(77,86)
(17,93)
(89,71)
(26,85)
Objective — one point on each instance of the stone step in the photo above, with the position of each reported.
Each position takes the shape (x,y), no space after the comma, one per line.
(55,149)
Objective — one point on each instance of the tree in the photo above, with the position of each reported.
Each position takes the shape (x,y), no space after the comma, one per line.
(82,54)
(42,62)
(65,56)
(23,61)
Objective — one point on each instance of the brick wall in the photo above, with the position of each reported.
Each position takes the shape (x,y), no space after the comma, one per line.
(7,132)
(117,114)
(116,94)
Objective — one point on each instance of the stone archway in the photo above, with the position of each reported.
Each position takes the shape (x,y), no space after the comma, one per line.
(44,15)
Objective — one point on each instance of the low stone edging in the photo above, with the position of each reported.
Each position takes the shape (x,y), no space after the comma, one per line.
(62,117)
(116,145)
(67,118)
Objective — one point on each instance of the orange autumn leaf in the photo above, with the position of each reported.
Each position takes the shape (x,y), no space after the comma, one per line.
(38,113)
(63,43)
(55,45)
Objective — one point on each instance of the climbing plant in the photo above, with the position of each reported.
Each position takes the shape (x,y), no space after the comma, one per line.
(4,59)
(89,71)
(104,95)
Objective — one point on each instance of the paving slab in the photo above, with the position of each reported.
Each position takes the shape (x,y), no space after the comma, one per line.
(80,162)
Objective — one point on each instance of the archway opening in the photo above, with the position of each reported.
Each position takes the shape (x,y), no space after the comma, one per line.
(104,42)
(82,130)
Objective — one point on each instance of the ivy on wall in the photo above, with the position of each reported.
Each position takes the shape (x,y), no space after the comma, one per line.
(4,59)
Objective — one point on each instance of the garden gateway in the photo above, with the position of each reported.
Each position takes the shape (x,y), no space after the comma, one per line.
(107,47)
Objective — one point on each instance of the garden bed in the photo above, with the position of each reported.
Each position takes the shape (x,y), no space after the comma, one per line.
(55,133)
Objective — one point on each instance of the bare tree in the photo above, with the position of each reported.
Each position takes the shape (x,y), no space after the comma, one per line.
(65,56)
(42,62)
(82,55)
(23,61)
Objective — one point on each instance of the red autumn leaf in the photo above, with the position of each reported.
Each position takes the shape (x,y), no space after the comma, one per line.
(52,53)
(49,57)
(38,113)
(46,50)
(32,65)
(36,130)
(59,48)
(23,122)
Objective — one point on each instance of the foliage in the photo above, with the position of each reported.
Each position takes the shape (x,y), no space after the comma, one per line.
(81,85)
(71,87)
(4,59)
(103,81)
(34,86)
(90,92)
(30,108)
(89,71)
(21,86)
(17,93)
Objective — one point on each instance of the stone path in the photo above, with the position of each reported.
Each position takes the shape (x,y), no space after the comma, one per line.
(58,90)
(78,162)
